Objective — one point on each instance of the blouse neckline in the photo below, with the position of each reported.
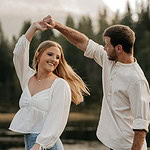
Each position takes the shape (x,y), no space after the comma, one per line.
(41,90)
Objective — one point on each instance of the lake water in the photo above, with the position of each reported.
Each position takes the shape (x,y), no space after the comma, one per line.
(14,141)
(81,145)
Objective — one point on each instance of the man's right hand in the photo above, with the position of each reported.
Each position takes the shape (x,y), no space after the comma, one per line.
(50,22)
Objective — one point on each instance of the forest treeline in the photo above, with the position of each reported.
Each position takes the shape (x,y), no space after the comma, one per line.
(89,71)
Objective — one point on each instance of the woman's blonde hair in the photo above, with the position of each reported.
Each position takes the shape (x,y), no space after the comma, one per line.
(63,70)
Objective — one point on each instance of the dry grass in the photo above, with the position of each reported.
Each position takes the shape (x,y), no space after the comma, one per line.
(82,117)
(72,117)
(6,117)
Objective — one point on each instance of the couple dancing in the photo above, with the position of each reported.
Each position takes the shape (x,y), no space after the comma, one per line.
(50,86)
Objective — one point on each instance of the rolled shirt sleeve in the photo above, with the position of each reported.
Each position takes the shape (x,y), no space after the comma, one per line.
(96,52)
(57,117)
(140,104)
(21,60)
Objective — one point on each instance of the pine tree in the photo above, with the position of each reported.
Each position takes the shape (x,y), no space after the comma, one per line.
(103,24)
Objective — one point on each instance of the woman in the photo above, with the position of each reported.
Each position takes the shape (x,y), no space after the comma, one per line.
(47,92)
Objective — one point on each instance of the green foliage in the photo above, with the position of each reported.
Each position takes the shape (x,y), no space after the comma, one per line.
(127,18)
(86,27)
(46,35)
(25,27)
(116,19)
(142,45)
(88,68)
(70,21)
(7,76)
(103,24)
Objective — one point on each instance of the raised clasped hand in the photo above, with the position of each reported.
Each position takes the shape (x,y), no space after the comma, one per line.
(40,25)
(50,22)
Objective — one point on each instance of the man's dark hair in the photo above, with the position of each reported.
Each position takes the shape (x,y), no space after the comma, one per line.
(121,34)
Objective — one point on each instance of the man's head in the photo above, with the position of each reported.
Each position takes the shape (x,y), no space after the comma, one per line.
(121,35)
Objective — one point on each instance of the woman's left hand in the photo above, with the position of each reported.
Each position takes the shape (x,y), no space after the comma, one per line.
(40,25)
(35,147)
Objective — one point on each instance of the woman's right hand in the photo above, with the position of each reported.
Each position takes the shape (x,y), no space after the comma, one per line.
(50,22)
(40,25)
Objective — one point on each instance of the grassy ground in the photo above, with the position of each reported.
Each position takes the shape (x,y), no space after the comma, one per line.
(82,117)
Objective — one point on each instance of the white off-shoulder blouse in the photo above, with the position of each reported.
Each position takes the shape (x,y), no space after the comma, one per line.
(45,112)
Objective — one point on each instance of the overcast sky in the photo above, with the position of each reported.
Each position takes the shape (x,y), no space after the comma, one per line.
(14,12)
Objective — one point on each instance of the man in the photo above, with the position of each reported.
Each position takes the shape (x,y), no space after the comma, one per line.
(124,116)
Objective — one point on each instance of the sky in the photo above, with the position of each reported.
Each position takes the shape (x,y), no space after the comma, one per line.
(14,12)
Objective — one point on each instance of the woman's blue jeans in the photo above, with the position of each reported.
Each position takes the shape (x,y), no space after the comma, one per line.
(30,140)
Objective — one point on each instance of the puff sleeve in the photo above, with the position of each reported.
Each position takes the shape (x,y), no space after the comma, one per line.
(21,60)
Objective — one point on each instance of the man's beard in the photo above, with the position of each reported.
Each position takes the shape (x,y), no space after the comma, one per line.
(112,58)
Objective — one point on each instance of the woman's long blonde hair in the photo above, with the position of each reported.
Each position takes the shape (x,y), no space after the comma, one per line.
(63,70)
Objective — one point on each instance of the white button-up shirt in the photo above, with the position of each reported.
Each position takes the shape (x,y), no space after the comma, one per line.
(126,98)
(45,112)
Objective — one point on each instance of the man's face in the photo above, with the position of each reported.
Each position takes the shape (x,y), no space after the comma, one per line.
(111,53)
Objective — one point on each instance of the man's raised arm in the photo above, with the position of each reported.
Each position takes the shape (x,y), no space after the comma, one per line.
(75,37)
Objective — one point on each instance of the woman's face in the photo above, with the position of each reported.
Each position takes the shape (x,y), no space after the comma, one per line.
(49,59)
